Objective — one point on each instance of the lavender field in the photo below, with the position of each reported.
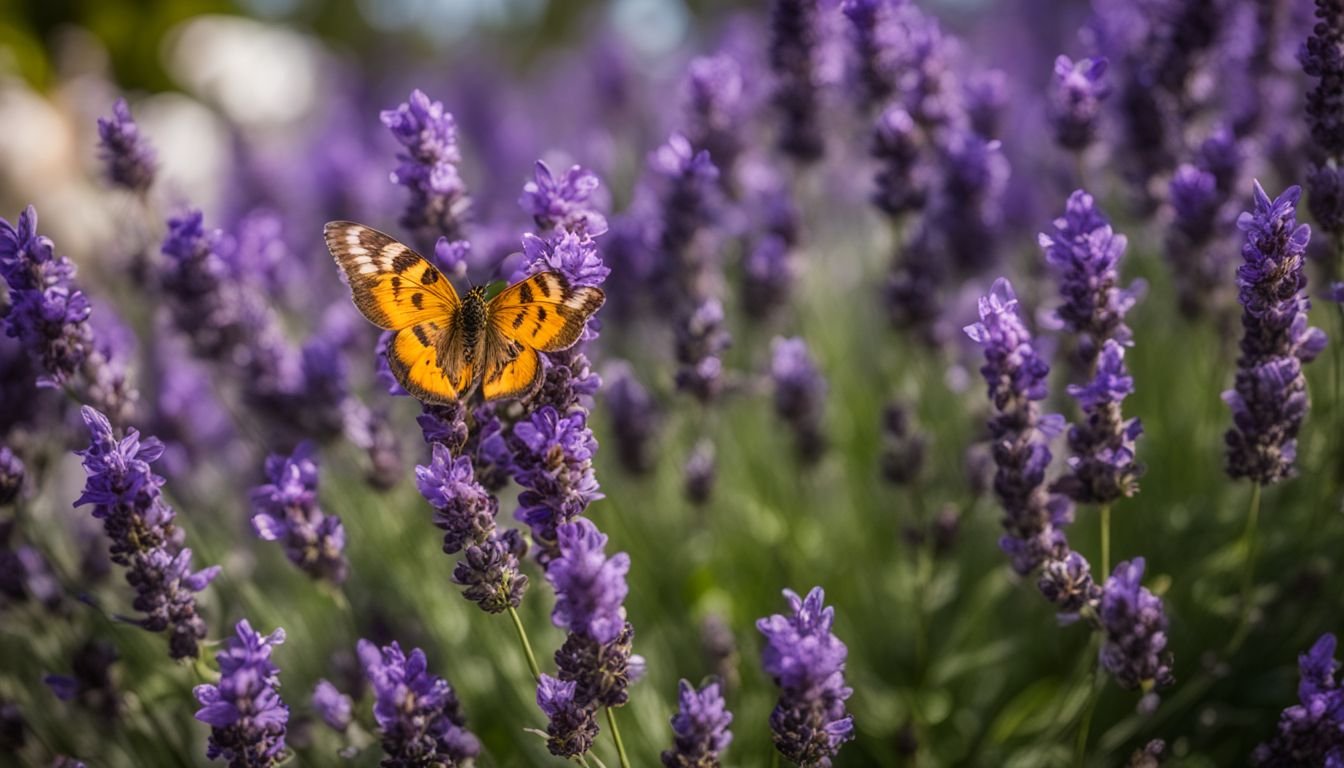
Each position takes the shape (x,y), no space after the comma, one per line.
(672,382)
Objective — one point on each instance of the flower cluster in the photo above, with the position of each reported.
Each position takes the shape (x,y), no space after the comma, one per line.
(713,94)
(1134,630)
(793,44)
(799,395)
(563,204)
(1269,399)
(418,715)
(1103,466)
(246,716)
(427,167)
(125,494)
(285,509)
(335,708)
(1078,88)
(809,723)
(130,161)
(1310,732)
(700,728)
(553,463)
(1195,247)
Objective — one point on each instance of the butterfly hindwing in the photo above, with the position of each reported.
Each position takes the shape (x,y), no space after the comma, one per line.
(511,377)
(415,360)
(392,285)
(544,311)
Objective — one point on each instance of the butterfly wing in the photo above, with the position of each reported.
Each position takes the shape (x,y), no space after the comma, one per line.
(544,311)
(512,370)
(392,285)
(398,290)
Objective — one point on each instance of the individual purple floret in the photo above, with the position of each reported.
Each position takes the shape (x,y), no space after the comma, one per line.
(809,723)
(902,183)
(1134,626)
(553,463)
(573,726)
(799,395)
(427,167)
(246,716)
(793,43)
(1076,93)
(12,473)
(125,495)
(1269,398)
(128,158)
(285,509)
(1103,467)
(1322,57)
(564,204)
(1016,374)
(634,418)
(335,708)
(1310,732)
(714,109)
(700,728)
(701,339)
(418,715)
(1084,254)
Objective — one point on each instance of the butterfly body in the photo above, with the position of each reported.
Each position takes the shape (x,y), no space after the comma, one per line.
(445,346)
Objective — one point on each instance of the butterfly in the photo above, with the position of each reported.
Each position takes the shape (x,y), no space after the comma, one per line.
(444,346)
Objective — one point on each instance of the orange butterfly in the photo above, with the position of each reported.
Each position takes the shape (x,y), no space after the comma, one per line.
(445,346)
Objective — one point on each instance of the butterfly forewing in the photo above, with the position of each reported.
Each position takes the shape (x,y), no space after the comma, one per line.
(392,285)
(544,311)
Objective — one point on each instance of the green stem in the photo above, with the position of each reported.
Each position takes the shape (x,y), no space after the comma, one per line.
(616,737)
(1105,540)
(774,758)
(1080,749)
(527,647)
(1250,543)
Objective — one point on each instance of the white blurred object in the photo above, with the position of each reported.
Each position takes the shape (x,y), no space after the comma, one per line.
(654,28)
(260,75)
(193,148)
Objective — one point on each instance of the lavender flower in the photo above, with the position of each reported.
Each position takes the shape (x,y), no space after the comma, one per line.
(589,586)
(563,204)
(427,167)
(700,472)
(1312,731)
(573,726)
(634,418)
(1103,467)
(201,298)
(793,43)
(1084,254)
(713,96)
(874,61)
(687,179)
(129,158)
(573,255)
(799,395)
(1134,627)
(553,462)
(417,713)
(90,682)
(285,509)
(986,94)
(463,509)
(1078,88)
(1033,518)
(700,342)
(902,183)
(489,571)
(809,723)
(700,728)
(911,293)
(1322,57)
(334,707)
(125,495)
(1325,198)
(25,573)
(244,711)
(903,445)
(767,276)
(1067,583)
(1269,399)
(969,209)
(11,475)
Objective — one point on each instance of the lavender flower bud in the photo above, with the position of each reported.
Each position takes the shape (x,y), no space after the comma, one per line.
(334,707)
(767,276)
(1325,197)
(1103,467)
(553,463)
(427,167)
(244,711)
(700,728)
(285,509)
(700,472)
(986,97)
(129,159)
(799,395)
(125,495)
(1310,732)
(25,573)
(793,40)
(1269,399)
(809,723)
(489,571)
(1134,626)
(418,715)
(1078,88)
(1067,583)
(463,509)
(875,60)
(563,204)
(701,339)
(601,671)
(573,727)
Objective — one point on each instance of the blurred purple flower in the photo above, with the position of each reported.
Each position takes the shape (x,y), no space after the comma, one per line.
(1269,399)
(902,180)
(794,27)
(986,95)
(768,274)
(904,445)
(968,211)
(12,473)
(1103,467)
(1325,197)
(128,158)
(700,472)
(1076,93)
(1033,518)
(799,395)
(1134,625)
(714,109)
(90,682)
(809,723)
(564,204)
(634,420)
(874,59)
(1310,732)
(685,180)
(700,728)
(334,707)
(285,509)
(427,167)
(25,573)
(1322,57)
(553,463)
(573,726)
(417,713)
(125,495)
(246,716)
(701,339)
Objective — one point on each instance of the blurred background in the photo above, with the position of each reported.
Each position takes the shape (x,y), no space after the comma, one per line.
(265,116)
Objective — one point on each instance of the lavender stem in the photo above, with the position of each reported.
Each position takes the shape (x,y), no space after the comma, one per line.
(1105,538)
(1248,538)
(527,647)
(616,737)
